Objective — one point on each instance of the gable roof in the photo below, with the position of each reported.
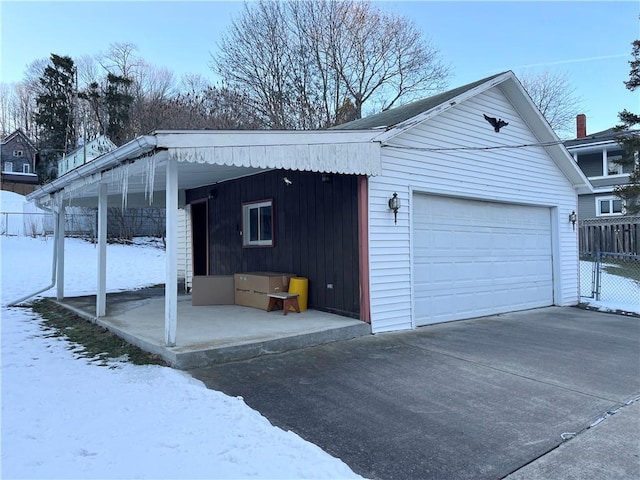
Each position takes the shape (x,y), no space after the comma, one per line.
(394,116)
(18,133)
(394,122)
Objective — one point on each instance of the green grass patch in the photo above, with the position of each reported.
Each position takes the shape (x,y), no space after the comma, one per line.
(88,339)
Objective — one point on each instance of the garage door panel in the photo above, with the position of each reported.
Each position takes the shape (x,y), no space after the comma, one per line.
(475,258)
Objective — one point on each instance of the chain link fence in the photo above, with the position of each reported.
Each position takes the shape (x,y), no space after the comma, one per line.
(121,224)
(613,278)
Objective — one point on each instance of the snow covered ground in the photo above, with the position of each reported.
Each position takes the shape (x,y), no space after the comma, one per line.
(64,417)
(617,293)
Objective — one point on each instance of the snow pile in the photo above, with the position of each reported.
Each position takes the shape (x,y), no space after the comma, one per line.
(66,418)
(12,209)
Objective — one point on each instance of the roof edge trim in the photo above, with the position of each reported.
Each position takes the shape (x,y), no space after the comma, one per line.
(135,148)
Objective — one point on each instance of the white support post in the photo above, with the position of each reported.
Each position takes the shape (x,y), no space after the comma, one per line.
(171,277)
(101,297)
(60,254)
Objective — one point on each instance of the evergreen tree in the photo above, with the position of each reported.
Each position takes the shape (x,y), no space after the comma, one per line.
(630,142)
(110,106)
(93,97)
(55,115)
(118,102)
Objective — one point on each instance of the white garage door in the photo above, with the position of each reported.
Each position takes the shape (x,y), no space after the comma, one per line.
(474,258)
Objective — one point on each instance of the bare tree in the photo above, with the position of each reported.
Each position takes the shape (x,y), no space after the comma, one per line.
(89,71)
(209,107)
(33,72)
(318,25)
(153,88)
(302,63)
(6,98)
(23,106)
(555,97)
(384,55)
(253,58)
(18,101)
(121,60)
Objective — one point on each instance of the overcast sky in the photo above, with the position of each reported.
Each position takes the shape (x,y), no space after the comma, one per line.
(590,41)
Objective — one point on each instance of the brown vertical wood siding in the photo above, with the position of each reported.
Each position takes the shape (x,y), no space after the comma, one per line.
(315,233)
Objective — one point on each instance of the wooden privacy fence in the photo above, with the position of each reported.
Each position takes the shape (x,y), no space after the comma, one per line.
(615,235)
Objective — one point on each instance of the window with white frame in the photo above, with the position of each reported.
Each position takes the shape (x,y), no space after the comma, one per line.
(18,153)
(26,168)
(257,220)
(613,165)
(8,167)
(606,206)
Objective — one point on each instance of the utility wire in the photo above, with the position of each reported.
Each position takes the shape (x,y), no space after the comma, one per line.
(496,147)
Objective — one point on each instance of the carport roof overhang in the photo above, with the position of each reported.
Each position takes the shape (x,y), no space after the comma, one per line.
(135,173)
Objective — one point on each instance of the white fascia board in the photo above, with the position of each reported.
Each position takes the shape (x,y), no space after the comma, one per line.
(135,148)
(443,107)
(565,162)
(595,147)
(600,190)
(255,138)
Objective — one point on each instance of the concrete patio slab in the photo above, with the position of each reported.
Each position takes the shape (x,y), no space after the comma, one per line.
(213,334)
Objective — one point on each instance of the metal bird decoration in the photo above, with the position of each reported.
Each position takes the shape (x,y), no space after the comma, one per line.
(287,182)
(497,124)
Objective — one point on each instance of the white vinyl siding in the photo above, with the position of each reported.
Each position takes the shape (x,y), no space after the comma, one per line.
(185,262)
(526,176)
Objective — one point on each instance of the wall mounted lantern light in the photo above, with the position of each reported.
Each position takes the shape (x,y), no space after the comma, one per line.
(394,204)
(572,219)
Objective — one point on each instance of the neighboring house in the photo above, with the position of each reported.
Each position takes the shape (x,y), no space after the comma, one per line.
(596,155)
(482,224)
(18,164)
(85,153)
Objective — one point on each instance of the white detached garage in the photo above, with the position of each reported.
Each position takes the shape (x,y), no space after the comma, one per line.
(483,227)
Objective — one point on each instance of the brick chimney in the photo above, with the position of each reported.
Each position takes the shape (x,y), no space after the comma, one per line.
(581,125)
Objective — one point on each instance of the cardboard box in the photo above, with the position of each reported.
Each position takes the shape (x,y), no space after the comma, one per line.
(251,289)
(212,290)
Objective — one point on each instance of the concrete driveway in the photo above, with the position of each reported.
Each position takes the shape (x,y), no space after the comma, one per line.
(476,399)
